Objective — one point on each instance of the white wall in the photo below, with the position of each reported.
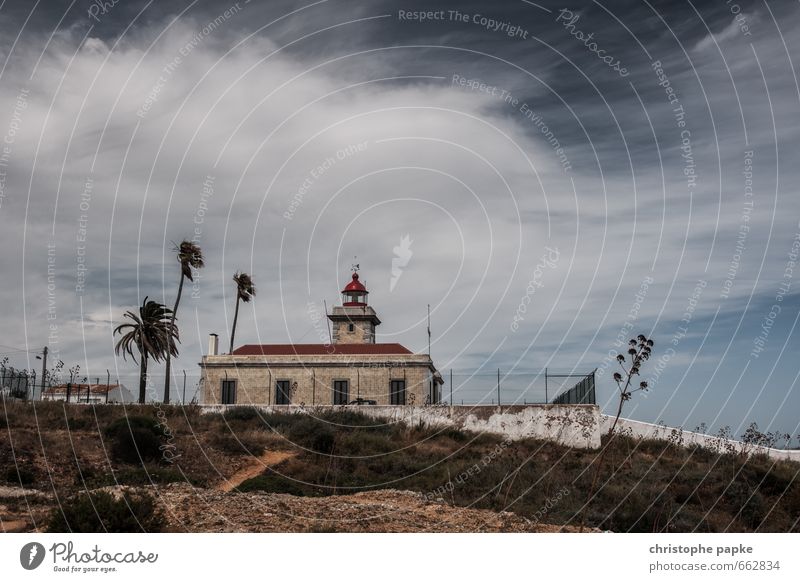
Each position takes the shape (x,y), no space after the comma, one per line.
(646,430)
(579,426)
(571,425)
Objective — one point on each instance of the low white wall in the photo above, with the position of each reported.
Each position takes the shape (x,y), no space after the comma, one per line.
(579,426)
(571,425)
(647,430)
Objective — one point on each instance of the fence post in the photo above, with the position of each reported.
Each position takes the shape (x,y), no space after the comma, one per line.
(546,397)
(451,387)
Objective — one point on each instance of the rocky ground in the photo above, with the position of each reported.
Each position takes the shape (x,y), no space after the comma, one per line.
(22,509)
(222,508)
(192,509)
(387,510)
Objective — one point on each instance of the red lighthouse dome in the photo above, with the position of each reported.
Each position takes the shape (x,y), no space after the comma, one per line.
(354,293)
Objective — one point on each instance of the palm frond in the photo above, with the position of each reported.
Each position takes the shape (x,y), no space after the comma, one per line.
(245,288)
(147,333)
(190,256)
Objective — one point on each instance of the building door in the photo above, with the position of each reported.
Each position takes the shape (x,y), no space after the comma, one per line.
(282,392)
(228,392)
(397,392)
(341,390)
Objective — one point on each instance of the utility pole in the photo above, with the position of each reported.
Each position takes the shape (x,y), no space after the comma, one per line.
(183,400)
(108,384)
(498,386)
(451,387)
(44,371)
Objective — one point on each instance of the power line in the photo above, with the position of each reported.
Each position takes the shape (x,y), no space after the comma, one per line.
(19,353)
(14,348)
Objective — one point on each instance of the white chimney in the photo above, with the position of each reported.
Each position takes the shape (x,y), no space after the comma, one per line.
(213,344)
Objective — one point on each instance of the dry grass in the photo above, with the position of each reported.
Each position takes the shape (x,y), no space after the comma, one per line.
(646,485)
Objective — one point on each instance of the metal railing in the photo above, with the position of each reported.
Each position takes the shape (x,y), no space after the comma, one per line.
(546,386)
(581,393)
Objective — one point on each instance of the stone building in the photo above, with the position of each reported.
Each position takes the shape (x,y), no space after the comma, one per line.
(353,368)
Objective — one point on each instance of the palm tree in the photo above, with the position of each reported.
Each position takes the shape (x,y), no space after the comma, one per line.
(190,257)
(151,333)
(245,291)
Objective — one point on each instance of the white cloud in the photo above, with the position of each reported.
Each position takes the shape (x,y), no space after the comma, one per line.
(447,167)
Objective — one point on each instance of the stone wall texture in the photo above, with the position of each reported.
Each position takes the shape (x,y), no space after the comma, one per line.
(369,378)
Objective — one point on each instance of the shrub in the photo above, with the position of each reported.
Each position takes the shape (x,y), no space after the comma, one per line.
(245,443)
(133,421)
(278,421)
(100,511)
(323,441)
(749,502)
(141,476)
(135,439)
(91,477)
(313,434)
(458,436)
(78,423)
(271,483)
(349,419)
(242,413)
(20,475)
(365,443)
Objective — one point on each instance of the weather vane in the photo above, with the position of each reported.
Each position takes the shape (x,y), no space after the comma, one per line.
(355,265)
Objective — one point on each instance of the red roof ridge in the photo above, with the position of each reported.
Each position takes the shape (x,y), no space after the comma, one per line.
(320,349)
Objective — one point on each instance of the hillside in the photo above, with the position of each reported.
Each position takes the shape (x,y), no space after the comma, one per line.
(244,471)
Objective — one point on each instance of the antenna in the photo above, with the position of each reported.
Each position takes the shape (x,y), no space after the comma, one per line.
(429,329)
(330,337)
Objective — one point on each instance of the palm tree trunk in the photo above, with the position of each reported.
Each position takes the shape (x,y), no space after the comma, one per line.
(169,340)
(235,318)
(142,377)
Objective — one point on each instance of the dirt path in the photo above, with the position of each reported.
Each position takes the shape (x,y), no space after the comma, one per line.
(259,464)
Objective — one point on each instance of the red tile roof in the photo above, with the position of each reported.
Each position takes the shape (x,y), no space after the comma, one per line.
(320,349)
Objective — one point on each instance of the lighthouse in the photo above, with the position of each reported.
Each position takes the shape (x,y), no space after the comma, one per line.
(352,369)
(354,321)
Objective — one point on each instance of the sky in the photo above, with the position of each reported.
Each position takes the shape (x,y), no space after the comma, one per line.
(550,178)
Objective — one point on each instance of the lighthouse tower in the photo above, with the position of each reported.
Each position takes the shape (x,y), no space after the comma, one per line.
(354,320)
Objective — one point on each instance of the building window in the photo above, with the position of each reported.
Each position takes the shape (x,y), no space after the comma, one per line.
(351,328)
(228,392)
(341,390)
(397,392)
(283,392)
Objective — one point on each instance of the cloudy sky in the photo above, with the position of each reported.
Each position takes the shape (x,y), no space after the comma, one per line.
(547,176)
